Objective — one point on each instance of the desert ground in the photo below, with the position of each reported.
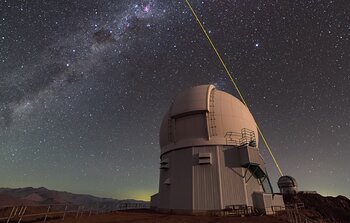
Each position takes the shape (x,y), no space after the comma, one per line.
(146,217)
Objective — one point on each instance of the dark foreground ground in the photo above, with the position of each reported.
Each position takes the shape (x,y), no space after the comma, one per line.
(315,208)
(144,217)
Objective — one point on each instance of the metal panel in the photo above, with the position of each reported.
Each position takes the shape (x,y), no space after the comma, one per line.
(263,202)
(191,127)
(252,185)
(258,200)
(204,158)
(193,99)
(231,115)
(277,200)
(233,190)
(268,200)
(164,190)
(250,155)
(206,195)
(154,201)
(181,179)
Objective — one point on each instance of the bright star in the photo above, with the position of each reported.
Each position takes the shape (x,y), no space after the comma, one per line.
(147,8)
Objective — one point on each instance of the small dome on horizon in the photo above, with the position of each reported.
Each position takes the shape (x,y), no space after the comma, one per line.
(287,185)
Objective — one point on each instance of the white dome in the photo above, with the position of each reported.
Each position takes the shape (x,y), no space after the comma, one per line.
(203,115)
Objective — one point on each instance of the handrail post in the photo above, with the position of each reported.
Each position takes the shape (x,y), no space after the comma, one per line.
(10,216)
(20,210)
(47,212)
(76,216)
(21,214)
(82,212)
(15,213)
(64,213)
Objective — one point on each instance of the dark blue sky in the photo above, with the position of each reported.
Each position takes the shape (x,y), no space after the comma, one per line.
(84,86)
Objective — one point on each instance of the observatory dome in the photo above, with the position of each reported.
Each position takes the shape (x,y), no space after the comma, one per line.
(203,115)
(287,185)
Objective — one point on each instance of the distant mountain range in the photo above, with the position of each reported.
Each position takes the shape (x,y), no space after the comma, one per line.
(43,196)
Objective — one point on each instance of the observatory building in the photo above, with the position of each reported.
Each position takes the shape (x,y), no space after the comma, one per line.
(287,185)
(209,157)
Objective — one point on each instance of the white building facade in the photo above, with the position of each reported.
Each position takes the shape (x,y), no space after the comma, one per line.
(210,158)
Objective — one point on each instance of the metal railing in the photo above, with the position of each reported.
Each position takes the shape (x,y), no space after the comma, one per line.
(43,213)
(294,213)
(245,137)
(238,210)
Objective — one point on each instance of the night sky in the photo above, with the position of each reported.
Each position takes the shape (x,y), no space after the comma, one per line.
(84,86)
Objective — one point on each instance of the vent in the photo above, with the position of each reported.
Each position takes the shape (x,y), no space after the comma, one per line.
(204,158)
(164,164)
(167,181)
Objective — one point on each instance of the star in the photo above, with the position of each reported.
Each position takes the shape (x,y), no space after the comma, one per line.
(147,8)
(100,79)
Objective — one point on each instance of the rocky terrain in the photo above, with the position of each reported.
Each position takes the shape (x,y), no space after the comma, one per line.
(317,208)
(331,209)
(42,196)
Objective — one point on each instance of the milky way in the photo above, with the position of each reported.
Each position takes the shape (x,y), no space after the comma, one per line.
(84,86)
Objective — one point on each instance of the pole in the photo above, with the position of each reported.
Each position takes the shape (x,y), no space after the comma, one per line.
(64,213)
(21,215)
(47,213)
(10,216)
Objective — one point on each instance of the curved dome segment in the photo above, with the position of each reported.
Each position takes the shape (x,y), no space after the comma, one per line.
(231,115)
(203,115)
(192,100)
(164,137)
